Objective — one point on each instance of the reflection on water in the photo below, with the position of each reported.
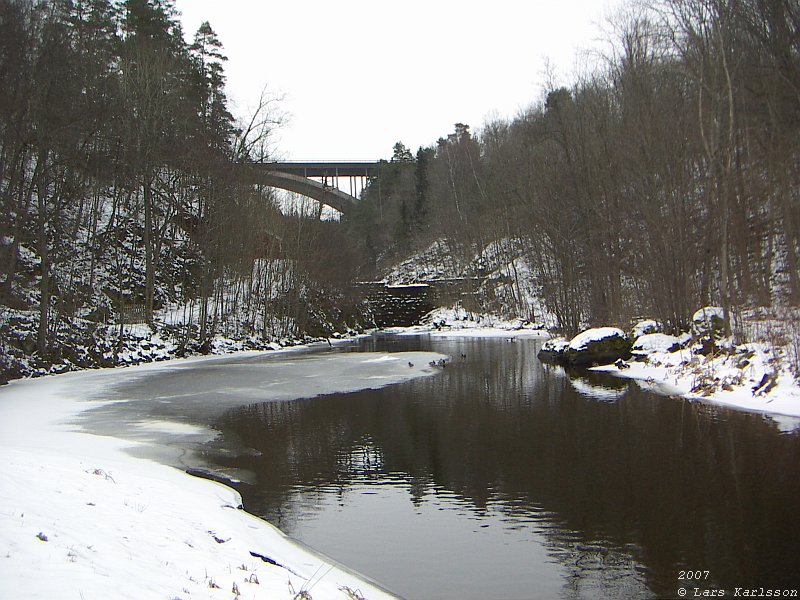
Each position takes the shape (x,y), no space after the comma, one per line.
(501,478)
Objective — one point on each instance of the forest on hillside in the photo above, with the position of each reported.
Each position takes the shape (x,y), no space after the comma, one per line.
(124,187)
(664,177)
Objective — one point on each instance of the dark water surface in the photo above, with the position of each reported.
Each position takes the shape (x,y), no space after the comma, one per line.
(503,478)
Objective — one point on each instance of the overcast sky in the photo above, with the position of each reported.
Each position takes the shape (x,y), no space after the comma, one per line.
(357,76)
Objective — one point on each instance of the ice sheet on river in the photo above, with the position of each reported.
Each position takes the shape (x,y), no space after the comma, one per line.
(190,395)
(83,516)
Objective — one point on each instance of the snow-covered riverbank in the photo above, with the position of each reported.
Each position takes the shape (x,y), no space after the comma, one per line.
(81,517)
(457,322)
(749,380)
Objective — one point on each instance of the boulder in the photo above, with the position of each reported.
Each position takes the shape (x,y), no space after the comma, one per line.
(709,321)
(553,350)
(645,327)
(655,342)
(597,346)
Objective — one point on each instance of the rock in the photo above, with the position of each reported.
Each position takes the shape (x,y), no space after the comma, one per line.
(646,327)
(553,350)
(655,342)
(709,321)
(29,344)
(768,381)
(598,346)
(706,347)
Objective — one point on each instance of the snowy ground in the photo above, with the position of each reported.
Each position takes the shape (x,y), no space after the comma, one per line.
(81,517)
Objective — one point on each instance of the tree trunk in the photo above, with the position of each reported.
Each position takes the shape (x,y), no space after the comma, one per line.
(44,254)
(149,292)
(789,242)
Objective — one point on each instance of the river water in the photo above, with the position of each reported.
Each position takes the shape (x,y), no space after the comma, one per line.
(500,477)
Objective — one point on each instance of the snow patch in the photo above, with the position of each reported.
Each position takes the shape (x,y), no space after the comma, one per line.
(171,427)
(655,342)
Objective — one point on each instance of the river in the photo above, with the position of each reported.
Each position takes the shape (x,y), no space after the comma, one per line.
(500,477)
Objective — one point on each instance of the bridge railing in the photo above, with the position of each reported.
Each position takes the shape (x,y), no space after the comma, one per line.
(324,168)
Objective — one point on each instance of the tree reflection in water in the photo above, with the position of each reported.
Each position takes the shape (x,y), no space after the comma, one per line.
(620,487)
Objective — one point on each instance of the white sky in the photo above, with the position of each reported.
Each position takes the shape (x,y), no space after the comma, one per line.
(357,76)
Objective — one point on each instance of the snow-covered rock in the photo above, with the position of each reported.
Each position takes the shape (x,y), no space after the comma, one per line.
(596,334)
(558,344)
(598,346)
(707,313)
(709,321)
(655,342)
(553,350)
(645,327)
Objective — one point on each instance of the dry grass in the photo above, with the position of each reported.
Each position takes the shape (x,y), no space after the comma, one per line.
(351,593)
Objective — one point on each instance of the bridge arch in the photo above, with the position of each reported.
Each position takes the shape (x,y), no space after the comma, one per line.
(298,177)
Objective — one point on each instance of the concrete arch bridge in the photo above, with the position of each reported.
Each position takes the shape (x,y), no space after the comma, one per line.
(317,180)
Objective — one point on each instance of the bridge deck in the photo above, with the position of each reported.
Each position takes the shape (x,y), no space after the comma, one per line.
(323,169)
